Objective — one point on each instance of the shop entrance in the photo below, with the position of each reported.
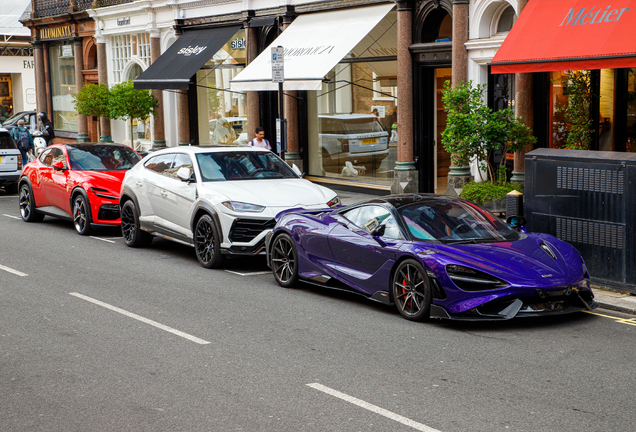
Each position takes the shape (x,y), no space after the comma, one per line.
(6,97)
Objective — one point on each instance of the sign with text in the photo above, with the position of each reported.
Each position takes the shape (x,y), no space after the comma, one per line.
(278,65)
(56,32)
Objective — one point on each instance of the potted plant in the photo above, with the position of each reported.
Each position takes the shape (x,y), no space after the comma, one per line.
(93,100)
(473,132)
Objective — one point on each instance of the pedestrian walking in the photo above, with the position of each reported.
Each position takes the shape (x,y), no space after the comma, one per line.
(23,139)
(259,140)
(46,127)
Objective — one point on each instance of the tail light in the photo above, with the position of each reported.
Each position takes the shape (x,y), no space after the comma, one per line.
(19,162)
(345,144)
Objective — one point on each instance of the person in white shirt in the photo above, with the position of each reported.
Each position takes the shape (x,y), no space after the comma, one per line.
(260,140)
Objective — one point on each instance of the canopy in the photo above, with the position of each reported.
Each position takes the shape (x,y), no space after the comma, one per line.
(313,44)
(174,68)
(12,10)
(570,35)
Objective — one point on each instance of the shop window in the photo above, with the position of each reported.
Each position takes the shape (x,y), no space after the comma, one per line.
(506,20)
(385,88)
(631,110)
(62,67)
(222,114)
(121,54)
(6,97)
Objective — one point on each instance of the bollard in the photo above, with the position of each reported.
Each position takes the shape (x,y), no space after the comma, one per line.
(514,204)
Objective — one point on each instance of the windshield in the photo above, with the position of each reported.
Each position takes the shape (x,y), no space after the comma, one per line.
(454,222)
(362,125)
(13,117)
(242,165)
(98,157)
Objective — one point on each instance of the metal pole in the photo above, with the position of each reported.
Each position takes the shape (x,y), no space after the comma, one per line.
(281,107)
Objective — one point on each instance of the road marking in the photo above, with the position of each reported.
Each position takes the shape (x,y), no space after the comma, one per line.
(102,239)
(10,270)
(628,321)
(9,196)
(376,409)
(142,319)
(11,216)
(248,274)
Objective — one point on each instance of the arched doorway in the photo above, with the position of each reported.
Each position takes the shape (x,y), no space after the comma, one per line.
(432,62)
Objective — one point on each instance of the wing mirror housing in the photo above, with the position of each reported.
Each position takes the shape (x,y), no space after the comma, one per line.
(185,174)
(517,222)
(297,170)
(59,165)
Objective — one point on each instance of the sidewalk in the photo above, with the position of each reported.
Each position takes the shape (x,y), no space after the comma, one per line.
(608,299)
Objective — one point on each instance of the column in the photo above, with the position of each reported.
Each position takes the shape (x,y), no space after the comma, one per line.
(459,175)
(102,78)
(524,107)
(292,156)
(40,76)
(82,124)
(253,109)
(159,130)
(405,174)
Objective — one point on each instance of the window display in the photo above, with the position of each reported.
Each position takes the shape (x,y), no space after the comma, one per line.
(62,67)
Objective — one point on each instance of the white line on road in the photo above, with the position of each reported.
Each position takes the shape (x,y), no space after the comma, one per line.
(102,239)
(376,409)
(9,196)
(142,319)
(10,270)
(248,274)
(11,216)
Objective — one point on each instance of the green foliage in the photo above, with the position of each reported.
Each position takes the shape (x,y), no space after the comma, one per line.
(93,100)
(475,131)
(127,103)
(577,111)
(480,192)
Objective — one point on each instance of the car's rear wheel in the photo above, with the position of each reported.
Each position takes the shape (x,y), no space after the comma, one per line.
(131,230)
(81,215)
(411,290)
(207,243)
(284,259)
(27,205)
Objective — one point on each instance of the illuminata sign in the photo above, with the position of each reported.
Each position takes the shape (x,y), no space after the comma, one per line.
(56,32)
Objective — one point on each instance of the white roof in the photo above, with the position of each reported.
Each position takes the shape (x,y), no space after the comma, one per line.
(12,11)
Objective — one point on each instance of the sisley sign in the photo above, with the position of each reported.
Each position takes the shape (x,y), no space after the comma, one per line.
(591,16)
(192,50)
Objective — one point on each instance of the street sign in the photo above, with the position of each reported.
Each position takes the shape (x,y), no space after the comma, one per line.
(278,66)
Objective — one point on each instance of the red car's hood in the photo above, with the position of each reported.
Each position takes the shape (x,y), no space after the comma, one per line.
(110,180)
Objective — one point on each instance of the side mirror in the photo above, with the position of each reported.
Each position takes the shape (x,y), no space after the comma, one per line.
(379,230)
(516,222)
(59,165)
(296,170)
(185,174)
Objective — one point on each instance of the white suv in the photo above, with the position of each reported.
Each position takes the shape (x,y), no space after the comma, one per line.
(357,138)
(10,162)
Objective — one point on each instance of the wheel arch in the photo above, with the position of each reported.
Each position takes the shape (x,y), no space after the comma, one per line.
(205,208)
(397,262)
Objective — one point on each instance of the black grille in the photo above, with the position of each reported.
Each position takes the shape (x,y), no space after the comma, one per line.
(108,212)
(245,230)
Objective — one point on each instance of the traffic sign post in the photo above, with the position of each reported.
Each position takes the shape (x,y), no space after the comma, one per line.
(278,76)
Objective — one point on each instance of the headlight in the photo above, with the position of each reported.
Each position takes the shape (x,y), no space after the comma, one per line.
(103,193)
(243,207)
(335,201)
(469,279)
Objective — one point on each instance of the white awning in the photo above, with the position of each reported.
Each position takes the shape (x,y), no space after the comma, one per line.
(12,10)
(313,44)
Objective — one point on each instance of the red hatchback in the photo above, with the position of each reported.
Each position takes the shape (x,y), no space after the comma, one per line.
(80,182)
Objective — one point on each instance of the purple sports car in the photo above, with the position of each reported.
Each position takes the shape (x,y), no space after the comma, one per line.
(431,256)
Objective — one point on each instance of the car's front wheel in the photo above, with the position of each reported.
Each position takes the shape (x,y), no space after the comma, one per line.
(207,243)
(411,290)
(81,215)
(130,227)
(27,205)
(284,259)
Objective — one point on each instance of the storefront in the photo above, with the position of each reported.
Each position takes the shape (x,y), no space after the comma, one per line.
(343,66)
(584,65)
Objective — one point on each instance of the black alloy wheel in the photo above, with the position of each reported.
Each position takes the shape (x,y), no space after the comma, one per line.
(284,260)
(411,291)
(81,215)
(27,205)
(207,243)
(130,227)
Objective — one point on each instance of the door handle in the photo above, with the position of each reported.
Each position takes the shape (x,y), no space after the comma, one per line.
(164,193)
(139,183)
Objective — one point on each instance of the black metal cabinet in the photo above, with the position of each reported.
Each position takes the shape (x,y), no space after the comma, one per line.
(588,199)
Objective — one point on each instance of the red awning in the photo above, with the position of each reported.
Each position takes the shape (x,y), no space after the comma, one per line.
(553,35)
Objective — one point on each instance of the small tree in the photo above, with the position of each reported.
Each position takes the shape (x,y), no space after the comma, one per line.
(93,100)
(127,103)
(475,131)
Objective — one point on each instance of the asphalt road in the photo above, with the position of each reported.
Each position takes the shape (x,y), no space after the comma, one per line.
(96,336)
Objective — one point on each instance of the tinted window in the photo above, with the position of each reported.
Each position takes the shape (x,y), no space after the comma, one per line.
(98,157)
(362,125)
(46,157)
(161,164)
(219,166)
(57,155)
(454,222)
(369,217)
(180,161)
(6,142)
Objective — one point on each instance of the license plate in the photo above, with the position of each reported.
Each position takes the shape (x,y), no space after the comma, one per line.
(369,141)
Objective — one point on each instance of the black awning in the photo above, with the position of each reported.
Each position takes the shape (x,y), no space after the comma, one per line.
(174,68)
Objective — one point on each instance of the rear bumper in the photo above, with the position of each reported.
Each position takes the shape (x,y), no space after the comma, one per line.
(9,177)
